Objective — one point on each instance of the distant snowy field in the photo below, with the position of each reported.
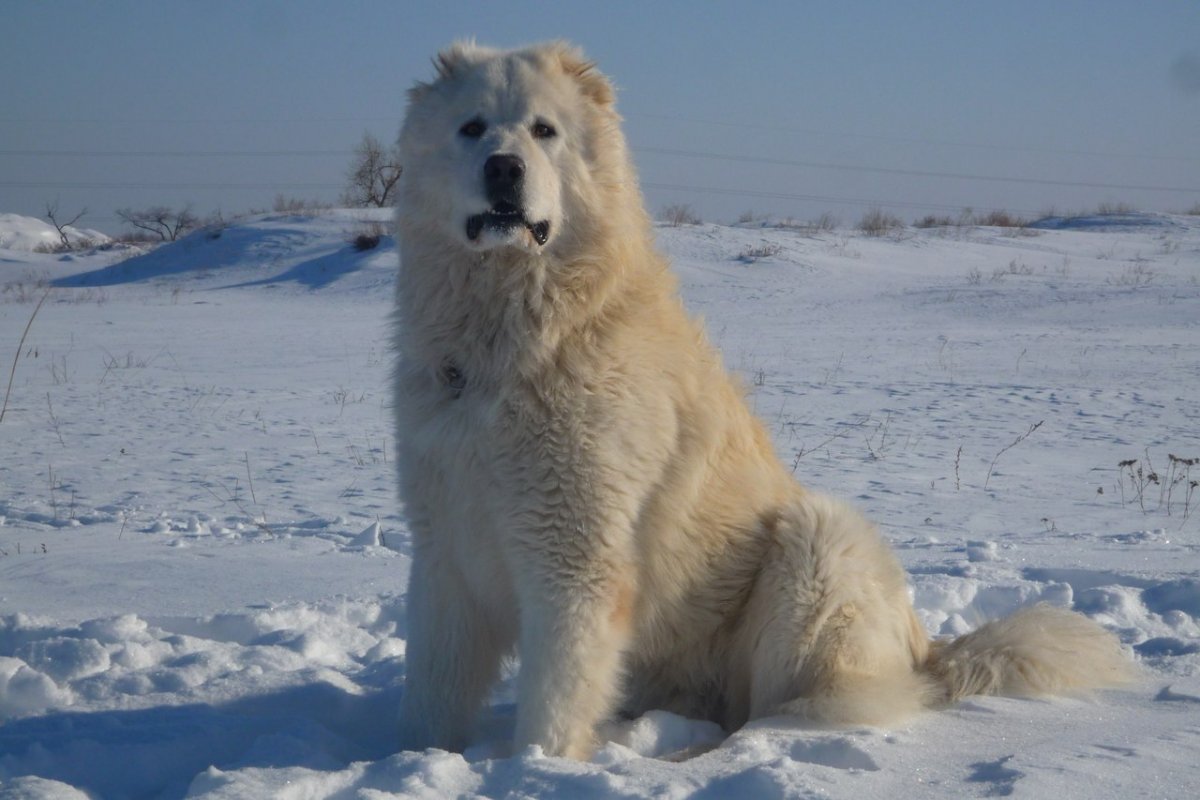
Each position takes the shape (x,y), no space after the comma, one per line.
(203,563)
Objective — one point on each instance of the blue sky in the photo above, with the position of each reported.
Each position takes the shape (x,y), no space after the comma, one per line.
(784,108)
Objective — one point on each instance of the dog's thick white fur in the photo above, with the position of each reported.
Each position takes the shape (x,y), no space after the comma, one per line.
(584,482)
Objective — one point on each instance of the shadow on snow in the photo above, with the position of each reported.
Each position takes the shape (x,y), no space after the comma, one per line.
(157,752)
(288,254)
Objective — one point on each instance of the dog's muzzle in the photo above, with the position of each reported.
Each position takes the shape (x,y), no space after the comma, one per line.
(503,222)
(504,185)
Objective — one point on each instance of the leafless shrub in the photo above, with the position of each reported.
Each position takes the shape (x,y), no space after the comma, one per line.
(998,218)
(79,297)
(136,238)
(57,247)
(1135,276)
(1141,477)
(676,214)
(127,361)
(754,253)
(825,223)
(878,222)
(879,440)
(933,221)
(296,205)
(214,225)
(25,289)
(1014,268)
(367,236)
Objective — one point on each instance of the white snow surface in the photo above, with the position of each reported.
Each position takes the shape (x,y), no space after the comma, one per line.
(203,563)
(28,233)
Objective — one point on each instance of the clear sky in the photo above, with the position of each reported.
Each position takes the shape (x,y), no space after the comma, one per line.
(788,108)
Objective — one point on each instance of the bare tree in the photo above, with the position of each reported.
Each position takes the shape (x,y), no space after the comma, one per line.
(371,180)
(165,223)
(52,215)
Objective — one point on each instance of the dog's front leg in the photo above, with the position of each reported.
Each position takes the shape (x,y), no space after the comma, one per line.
(576,615)
(453,656)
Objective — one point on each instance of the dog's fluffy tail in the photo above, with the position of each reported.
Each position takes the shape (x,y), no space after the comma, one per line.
(1038,650)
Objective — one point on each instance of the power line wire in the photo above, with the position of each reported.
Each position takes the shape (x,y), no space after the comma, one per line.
(655,150)
(394,120)
(814,198)
(879,137)
(161,185)
(734,192)
(172,153)
(784,162)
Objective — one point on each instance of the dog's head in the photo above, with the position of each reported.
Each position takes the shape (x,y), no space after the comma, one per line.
(501,150)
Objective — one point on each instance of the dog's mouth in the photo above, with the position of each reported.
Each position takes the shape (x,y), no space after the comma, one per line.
(503,217)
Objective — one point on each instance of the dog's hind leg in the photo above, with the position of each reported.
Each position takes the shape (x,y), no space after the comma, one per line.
(831,635)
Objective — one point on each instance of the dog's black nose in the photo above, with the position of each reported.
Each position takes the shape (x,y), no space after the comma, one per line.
(504,168)
(502,177)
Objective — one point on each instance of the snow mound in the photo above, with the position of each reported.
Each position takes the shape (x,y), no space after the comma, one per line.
(29,233)
(81,703)
(1133,220)
(311,251)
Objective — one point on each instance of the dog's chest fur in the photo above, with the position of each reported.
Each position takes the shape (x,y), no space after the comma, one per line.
(481,372)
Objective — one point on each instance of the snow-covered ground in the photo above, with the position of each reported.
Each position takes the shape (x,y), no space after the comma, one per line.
(203,563)
(26,233)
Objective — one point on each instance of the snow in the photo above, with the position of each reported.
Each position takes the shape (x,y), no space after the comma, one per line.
(28,233)
(203,564)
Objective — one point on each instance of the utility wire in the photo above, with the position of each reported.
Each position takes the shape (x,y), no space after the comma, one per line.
(783,162)
(162,185)
(880,137)
(393,120)
(171,153)
(666,151)
(814,198)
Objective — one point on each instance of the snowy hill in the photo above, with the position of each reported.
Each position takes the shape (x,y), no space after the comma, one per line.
(203,564)
(29,234)
(274,249)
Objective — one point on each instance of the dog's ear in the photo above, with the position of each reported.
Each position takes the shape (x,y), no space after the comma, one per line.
(446,64)
(595,86)
(454,57)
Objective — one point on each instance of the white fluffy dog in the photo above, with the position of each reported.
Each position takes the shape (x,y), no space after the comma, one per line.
(584,482)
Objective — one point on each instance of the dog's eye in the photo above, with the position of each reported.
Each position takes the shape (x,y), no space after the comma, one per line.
(542,130)
(473,129)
